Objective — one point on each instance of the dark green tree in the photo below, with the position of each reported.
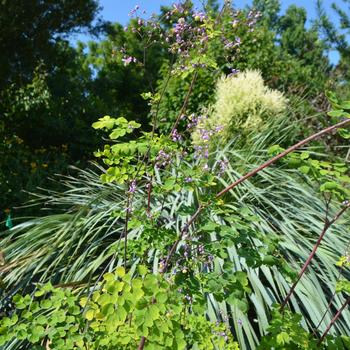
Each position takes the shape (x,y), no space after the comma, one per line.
(30,31)
(269,10)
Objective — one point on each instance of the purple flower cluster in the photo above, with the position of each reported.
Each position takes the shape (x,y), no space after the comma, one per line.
(193,121)
(221,334)
(128,59)
(222,164)
(199,16)
(132,186)
(252,18)
(175,136)
(180,33)
(200,249)
(232,44)
(134,11)
(201,151)
(163,159)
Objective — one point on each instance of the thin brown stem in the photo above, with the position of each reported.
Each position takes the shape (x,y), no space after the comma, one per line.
(327,225)
(142,343)
(128,209)
(149,192)
(333,295)
(184,106)
(283,154)
(154,122)
(246,177)
(182,233)
(337,315)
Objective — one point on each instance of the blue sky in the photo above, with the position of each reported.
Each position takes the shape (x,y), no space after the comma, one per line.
(117,10)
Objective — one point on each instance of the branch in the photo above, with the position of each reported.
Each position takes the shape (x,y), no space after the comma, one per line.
(283,154)
(142,343)
(327,225)
(337,315)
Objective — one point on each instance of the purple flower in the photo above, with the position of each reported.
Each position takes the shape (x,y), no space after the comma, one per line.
(175,136)
(132,187)
(178,8)
(188,298)
(188,179)
(201,249)
(240,322)
(134,10)
(199,16)
(163,159)
(129,210)
(223,165)
(232,44)
(233,72)
(128,59)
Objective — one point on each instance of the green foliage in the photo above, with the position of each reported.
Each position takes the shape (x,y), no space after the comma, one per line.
(115,314)
(37,28)
(286,332)
(281,209)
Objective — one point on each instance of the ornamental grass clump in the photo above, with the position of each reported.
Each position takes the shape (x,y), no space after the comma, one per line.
(243,103)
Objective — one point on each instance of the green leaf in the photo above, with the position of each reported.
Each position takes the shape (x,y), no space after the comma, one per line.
(336,113)
(142,269)
(283,338)
(344,133)
(304,169)
(107,309)
(116,133)
(104,299)
(108,276)
(304,155)
(89,314)
(154,312)
(105,122)
(120,271)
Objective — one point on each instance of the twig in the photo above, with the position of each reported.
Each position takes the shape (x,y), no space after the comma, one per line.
(184,106)
(149,192)
(337,315)
(327,225)
(333,296)
(128,209)
(283,154)
(142,343)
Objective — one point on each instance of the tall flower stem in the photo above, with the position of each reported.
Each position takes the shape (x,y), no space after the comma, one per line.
(184,106)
